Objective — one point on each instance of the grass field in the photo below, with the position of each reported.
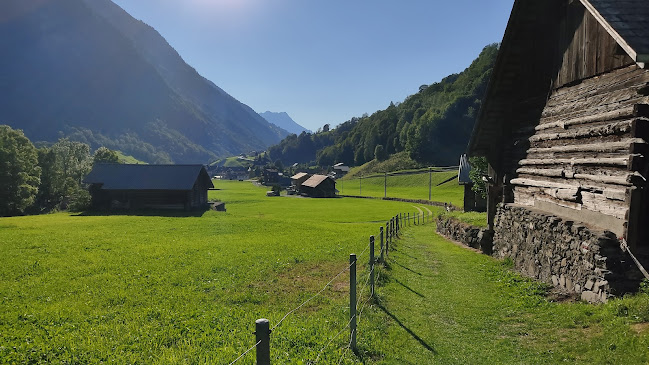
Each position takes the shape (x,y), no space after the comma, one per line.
(413,186)
(78,289)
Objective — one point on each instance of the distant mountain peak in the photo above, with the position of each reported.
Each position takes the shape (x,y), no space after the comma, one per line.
(284,121)
(90,70)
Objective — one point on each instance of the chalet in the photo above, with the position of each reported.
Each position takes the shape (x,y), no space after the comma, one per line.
(270,176)
(118,186)
(297,180)
(319,186)
(564,127)
(340,169)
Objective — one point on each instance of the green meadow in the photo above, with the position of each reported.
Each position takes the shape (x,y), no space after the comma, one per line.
(187,289)
(444,188)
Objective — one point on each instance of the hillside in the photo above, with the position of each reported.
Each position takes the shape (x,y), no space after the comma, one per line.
(284,121)
(432,126)
(88,70)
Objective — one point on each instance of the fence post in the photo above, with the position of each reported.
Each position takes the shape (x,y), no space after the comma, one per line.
(387,238)
(360,185)
(352,301)
(409,223)
(372,265)
(396,225)
(430,183)
(262,336)
(385,186)
(381,235)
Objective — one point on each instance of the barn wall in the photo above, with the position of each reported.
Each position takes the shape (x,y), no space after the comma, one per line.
(586,49)
(579,161)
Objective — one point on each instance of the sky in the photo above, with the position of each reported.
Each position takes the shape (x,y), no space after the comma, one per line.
(324,61)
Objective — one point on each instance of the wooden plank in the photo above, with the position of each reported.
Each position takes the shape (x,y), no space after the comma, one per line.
(608,192)
(627,111)
(599,203)
(591,147)
(586,132)
(577,161)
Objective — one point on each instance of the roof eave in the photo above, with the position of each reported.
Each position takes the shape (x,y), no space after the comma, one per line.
(640,59)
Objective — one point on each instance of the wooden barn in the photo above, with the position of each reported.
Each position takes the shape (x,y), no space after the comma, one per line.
(120,186)
(298,179)
(564,127)
(319,186)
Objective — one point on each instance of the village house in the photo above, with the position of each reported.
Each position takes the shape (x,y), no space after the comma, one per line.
(122,186)
(564,127)
(297,180)
(319,186)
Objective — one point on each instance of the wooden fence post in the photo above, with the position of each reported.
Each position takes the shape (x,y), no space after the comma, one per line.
(381,235)
(372,266)
(409,223)
(430,183)
(352,301)
(385,186)
(387,238)
(262,336)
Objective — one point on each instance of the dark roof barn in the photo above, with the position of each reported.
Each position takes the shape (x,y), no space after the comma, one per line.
(149,186)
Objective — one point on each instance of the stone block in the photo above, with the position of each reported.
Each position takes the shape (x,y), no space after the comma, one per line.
(589,285)
(590,297)
(555,280)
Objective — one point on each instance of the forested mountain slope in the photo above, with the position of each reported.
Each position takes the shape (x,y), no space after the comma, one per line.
(88,70)
(433,126)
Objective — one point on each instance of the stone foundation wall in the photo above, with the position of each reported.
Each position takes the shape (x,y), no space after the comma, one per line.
(476,237)
(564,253)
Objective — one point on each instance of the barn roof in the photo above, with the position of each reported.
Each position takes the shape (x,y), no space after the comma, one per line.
(147,177)
(625,20)
(299,175)
(315,180)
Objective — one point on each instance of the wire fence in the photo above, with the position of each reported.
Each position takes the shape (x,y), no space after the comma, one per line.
(387,237)
(421,184)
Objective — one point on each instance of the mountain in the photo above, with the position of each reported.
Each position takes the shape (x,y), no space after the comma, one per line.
(432,126)
(284,121)
(88,70)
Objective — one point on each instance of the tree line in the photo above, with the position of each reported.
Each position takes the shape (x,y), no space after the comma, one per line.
(38,180)
(432,126)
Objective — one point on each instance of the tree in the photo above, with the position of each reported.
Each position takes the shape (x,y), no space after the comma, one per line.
(52,189)
(325,128)
(476,174)
(105,155)
(19,172)
(73,158)
(380,154)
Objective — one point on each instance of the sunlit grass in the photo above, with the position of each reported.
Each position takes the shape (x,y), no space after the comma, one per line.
(184,288)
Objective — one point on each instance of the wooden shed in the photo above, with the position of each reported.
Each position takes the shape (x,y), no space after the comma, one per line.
(298,179)
(319,186)
(123,186)
(565,122)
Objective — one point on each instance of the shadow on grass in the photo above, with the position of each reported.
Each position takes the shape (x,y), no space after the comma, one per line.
(144,213)
(407,268)
(414,335)
(409,288)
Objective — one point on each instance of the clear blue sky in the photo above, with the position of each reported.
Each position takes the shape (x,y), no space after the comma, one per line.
(324,61)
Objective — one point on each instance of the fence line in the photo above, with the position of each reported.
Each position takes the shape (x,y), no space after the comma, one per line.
(393,228)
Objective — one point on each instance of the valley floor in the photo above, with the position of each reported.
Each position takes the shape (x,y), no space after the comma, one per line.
(187,288)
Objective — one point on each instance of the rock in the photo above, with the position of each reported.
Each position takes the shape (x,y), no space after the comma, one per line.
(590,297)
(589,285)
(555,280)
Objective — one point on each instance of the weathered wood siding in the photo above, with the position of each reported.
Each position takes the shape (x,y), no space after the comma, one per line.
(586,153)
(585,47)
